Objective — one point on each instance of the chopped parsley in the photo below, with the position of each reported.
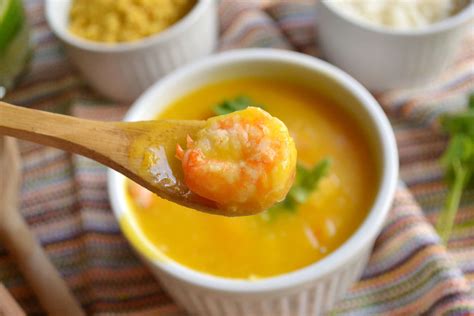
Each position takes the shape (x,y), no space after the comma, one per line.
(238,103)
(458,162)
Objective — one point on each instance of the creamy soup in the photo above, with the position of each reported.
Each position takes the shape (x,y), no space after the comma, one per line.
(281,239)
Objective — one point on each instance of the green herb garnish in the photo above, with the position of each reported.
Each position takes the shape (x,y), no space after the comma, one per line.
(458,162)
(306,181)
(240,102)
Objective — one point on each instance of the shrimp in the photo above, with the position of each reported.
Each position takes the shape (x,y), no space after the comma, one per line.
(244,161)
(142,196)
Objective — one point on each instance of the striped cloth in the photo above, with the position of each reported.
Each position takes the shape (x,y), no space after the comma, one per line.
(64,196)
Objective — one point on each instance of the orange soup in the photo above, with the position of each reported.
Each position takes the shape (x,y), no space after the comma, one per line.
(281,239)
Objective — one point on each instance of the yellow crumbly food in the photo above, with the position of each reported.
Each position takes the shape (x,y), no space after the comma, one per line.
(114,21)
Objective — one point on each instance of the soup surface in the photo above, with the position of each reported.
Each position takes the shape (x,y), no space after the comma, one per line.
(278,240)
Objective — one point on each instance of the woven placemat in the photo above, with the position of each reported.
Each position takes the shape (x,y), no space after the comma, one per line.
(64,196)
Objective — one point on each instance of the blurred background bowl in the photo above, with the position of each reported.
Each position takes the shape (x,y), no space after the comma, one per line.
(382,58)
(122,71)
(311,290)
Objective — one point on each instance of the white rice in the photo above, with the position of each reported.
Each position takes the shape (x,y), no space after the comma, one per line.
(399,14)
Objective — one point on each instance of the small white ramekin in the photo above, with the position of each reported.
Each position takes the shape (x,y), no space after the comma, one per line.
(382,58)
(308,291)
(123,71)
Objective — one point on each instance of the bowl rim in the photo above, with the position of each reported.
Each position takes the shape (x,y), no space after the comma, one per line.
(358,241)
(449,23)
(159,38)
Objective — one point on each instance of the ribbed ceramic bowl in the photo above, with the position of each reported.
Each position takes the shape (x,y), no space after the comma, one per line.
(307,291)
(382,58)
(123,71)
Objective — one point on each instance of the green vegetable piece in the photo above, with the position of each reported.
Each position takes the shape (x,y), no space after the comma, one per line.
(306,181)
(11,20)
(471,101)
(240,102)
(458,162)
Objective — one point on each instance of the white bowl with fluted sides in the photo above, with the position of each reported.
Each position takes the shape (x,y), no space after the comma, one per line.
(122,71)
(311,290)
(382,58)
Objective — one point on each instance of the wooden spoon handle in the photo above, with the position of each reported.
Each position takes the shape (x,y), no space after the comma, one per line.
(93,139)
(56,130)
(21,244)
(42,276)
(8,305)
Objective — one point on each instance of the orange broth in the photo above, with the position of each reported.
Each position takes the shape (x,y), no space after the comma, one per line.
(274,242)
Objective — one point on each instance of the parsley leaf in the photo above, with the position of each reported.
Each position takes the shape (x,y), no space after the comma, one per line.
(458,162)
(240,102)
(306,181)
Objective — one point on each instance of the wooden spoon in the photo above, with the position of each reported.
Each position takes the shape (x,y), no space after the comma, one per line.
(8,305)
(123,146)
(22,245)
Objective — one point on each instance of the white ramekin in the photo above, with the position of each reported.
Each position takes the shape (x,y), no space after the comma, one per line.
(382,58)
(315,288)
(123,71)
